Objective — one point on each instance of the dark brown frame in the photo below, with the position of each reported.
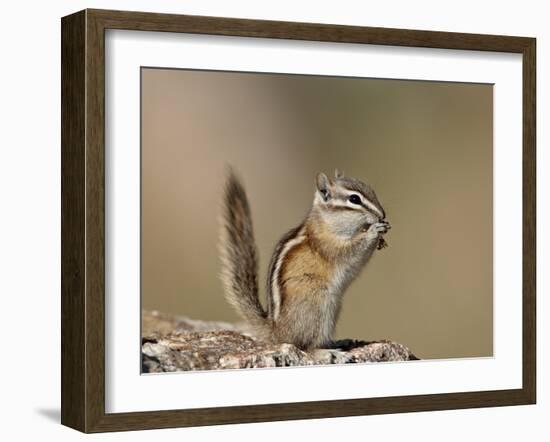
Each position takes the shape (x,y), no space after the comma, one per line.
(83,216)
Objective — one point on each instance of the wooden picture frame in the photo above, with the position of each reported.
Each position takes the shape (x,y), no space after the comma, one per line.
(83,220)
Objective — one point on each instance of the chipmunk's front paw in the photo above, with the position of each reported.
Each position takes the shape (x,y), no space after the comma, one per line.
(377,229)
(381,227)
(374,232)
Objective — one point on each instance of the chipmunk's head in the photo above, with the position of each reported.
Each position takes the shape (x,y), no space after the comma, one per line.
(345,204)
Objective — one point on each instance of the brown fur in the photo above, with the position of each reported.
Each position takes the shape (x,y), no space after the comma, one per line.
(291,234)
(304,280)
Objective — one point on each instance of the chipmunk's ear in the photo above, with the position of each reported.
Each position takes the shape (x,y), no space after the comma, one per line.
(338,174)
(323,184)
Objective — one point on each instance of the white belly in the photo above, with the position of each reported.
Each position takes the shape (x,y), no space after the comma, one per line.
(347,271)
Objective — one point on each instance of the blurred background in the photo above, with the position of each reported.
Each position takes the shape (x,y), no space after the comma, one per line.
(425,147)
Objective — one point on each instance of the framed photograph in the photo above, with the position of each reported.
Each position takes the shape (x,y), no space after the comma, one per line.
(271,220)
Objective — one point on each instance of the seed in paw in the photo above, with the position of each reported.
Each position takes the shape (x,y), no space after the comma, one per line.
(382,244)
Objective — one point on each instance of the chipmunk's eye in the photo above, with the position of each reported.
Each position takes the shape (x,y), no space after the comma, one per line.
(354,199)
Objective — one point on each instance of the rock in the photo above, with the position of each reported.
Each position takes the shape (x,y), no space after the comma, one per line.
(171,343)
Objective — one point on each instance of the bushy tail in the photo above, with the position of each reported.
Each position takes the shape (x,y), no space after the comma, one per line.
(238,254)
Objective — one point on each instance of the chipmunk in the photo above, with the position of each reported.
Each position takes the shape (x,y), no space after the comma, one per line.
(312,265)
